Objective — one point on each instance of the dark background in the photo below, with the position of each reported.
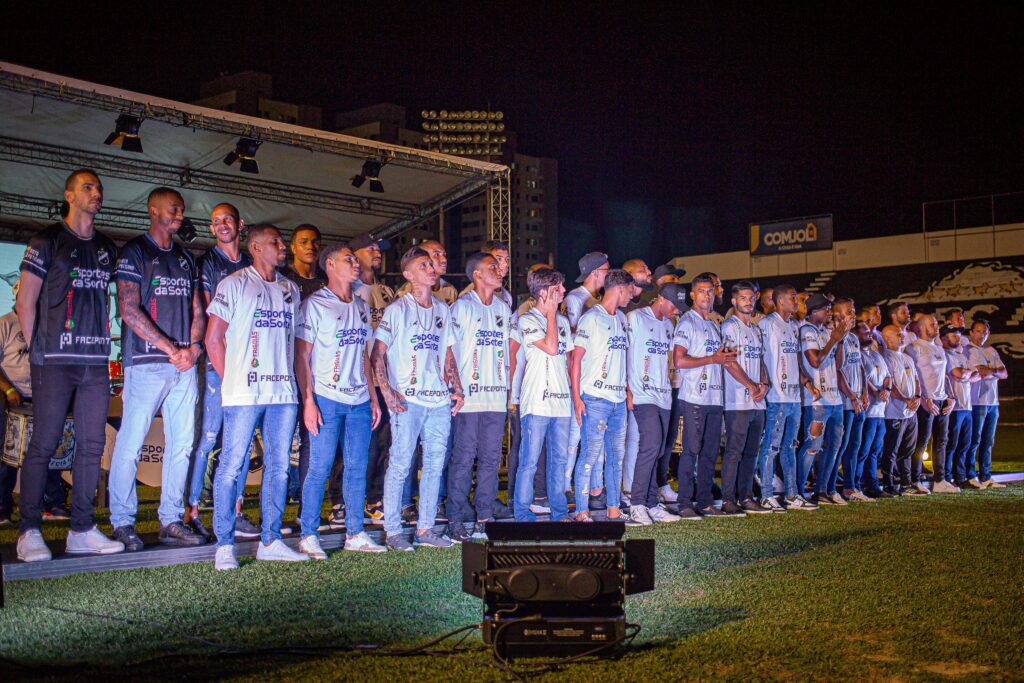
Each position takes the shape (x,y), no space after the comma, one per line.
(674,126)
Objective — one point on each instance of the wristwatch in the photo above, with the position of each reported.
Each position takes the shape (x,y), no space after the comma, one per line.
(199,344)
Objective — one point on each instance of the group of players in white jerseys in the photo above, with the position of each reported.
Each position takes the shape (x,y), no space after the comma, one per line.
(414,389)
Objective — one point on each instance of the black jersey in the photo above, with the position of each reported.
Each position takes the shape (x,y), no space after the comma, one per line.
(215,265)
(306,285)
(167,279)
(72,313)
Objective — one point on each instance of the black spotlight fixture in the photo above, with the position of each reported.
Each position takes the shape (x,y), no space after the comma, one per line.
(371,172)
(556,589)
(187,233)
(126,133)
(245,152)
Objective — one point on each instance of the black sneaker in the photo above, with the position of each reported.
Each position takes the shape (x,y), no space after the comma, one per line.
(501,511)
(409,513)
(431,539)
(688,514)
(177,534)
(57,512)
(244,528)
(873,493)
(126,534)
(712,511)
(337,518)
(197,526)
(912,491)
(731,509)
(457,532)
(399,542)
(752,507)
(600,501)
(440,517)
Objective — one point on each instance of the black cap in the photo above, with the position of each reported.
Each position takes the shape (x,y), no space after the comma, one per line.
(951,329)
(676,293)
(366,239)
(591,262)
(662,271)
(817,301)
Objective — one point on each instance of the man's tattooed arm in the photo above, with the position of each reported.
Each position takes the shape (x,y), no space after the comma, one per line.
(129,304)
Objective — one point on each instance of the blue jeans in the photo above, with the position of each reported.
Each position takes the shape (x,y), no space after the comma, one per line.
(277,423)
(849,452)
(823,435)
(213,419)
(148,388)
(537,432)
(632,448)
(572,452)
(984,420)
(958,448)
(349,425)
(781,426)
(431,427)
(603,429)
(870,447)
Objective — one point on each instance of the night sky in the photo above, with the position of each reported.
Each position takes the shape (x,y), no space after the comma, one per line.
(673,128)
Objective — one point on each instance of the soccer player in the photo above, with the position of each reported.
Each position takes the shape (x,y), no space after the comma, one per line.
(899,315)
(480,333)
(649,397)
(746,385)
(499,250)
(936,404)
(545,401)
(698,353)
(442,289)
(250,339)
(412,343)
(305,270)
(959,376)
(823,410)
(878,383)
(900,423)
(855,401)
(991,370)
(164,323)
(62,308)
(332,367)
(597,373)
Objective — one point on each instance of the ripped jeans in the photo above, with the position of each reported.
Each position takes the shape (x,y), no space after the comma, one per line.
(781,427)
(604,428)
(823,436)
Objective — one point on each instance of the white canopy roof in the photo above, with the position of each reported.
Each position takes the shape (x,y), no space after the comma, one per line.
(51,125)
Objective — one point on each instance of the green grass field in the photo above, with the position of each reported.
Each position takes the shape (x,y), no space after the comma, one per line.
(909,589)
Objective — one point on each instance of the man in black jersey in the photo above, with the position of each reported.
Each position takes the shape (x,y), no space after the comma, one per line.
(63,310)
(222,260)
(304,270)
(164,323)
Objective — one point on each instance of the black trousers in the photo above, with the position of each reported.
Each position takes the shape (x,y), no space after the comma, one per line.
(540,479)
(376,462)
(743,429)
(85,389)
(670,439)
(898,450)
(652,424)
(477,440)
(936,428)
(702,435)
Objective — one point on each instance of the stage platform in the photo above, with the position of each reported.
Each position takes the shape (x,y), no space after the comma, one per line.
(156,555)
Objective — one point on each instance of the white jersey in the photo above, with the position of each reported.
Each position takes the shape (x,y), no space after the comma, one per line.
(746,341)
(781,340)
(824,376)
(445,291)
(876,371)
(852,365)
(377,297)
(338,332)
(503,293)
(260,338)
(908,337)
(647,370)
(480,344)
(904,378)
(701,385)
(576,303)
(984,392)
(545,391)
(960,391)
(603,369)
(930,361)
(417,339)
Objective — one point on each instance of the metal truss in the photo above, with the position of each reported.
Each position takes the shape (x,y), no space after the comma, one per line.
(499,216)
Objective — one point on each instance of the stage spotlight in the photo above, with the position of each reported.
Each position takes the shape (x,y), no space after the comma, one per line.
(551,588)
(126,133)
(371,172)
(245,151)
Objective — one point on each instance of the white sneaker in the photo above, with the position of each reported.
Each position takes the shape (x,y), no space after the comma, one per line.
(279,552)
(310,545)
(667,494)
(944,487)
(638,515)
(921,487)
(993,484)
(225,558)
(660,514)
(363,544)
(974,483)
(32,547)
(92,542)
(539,509)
